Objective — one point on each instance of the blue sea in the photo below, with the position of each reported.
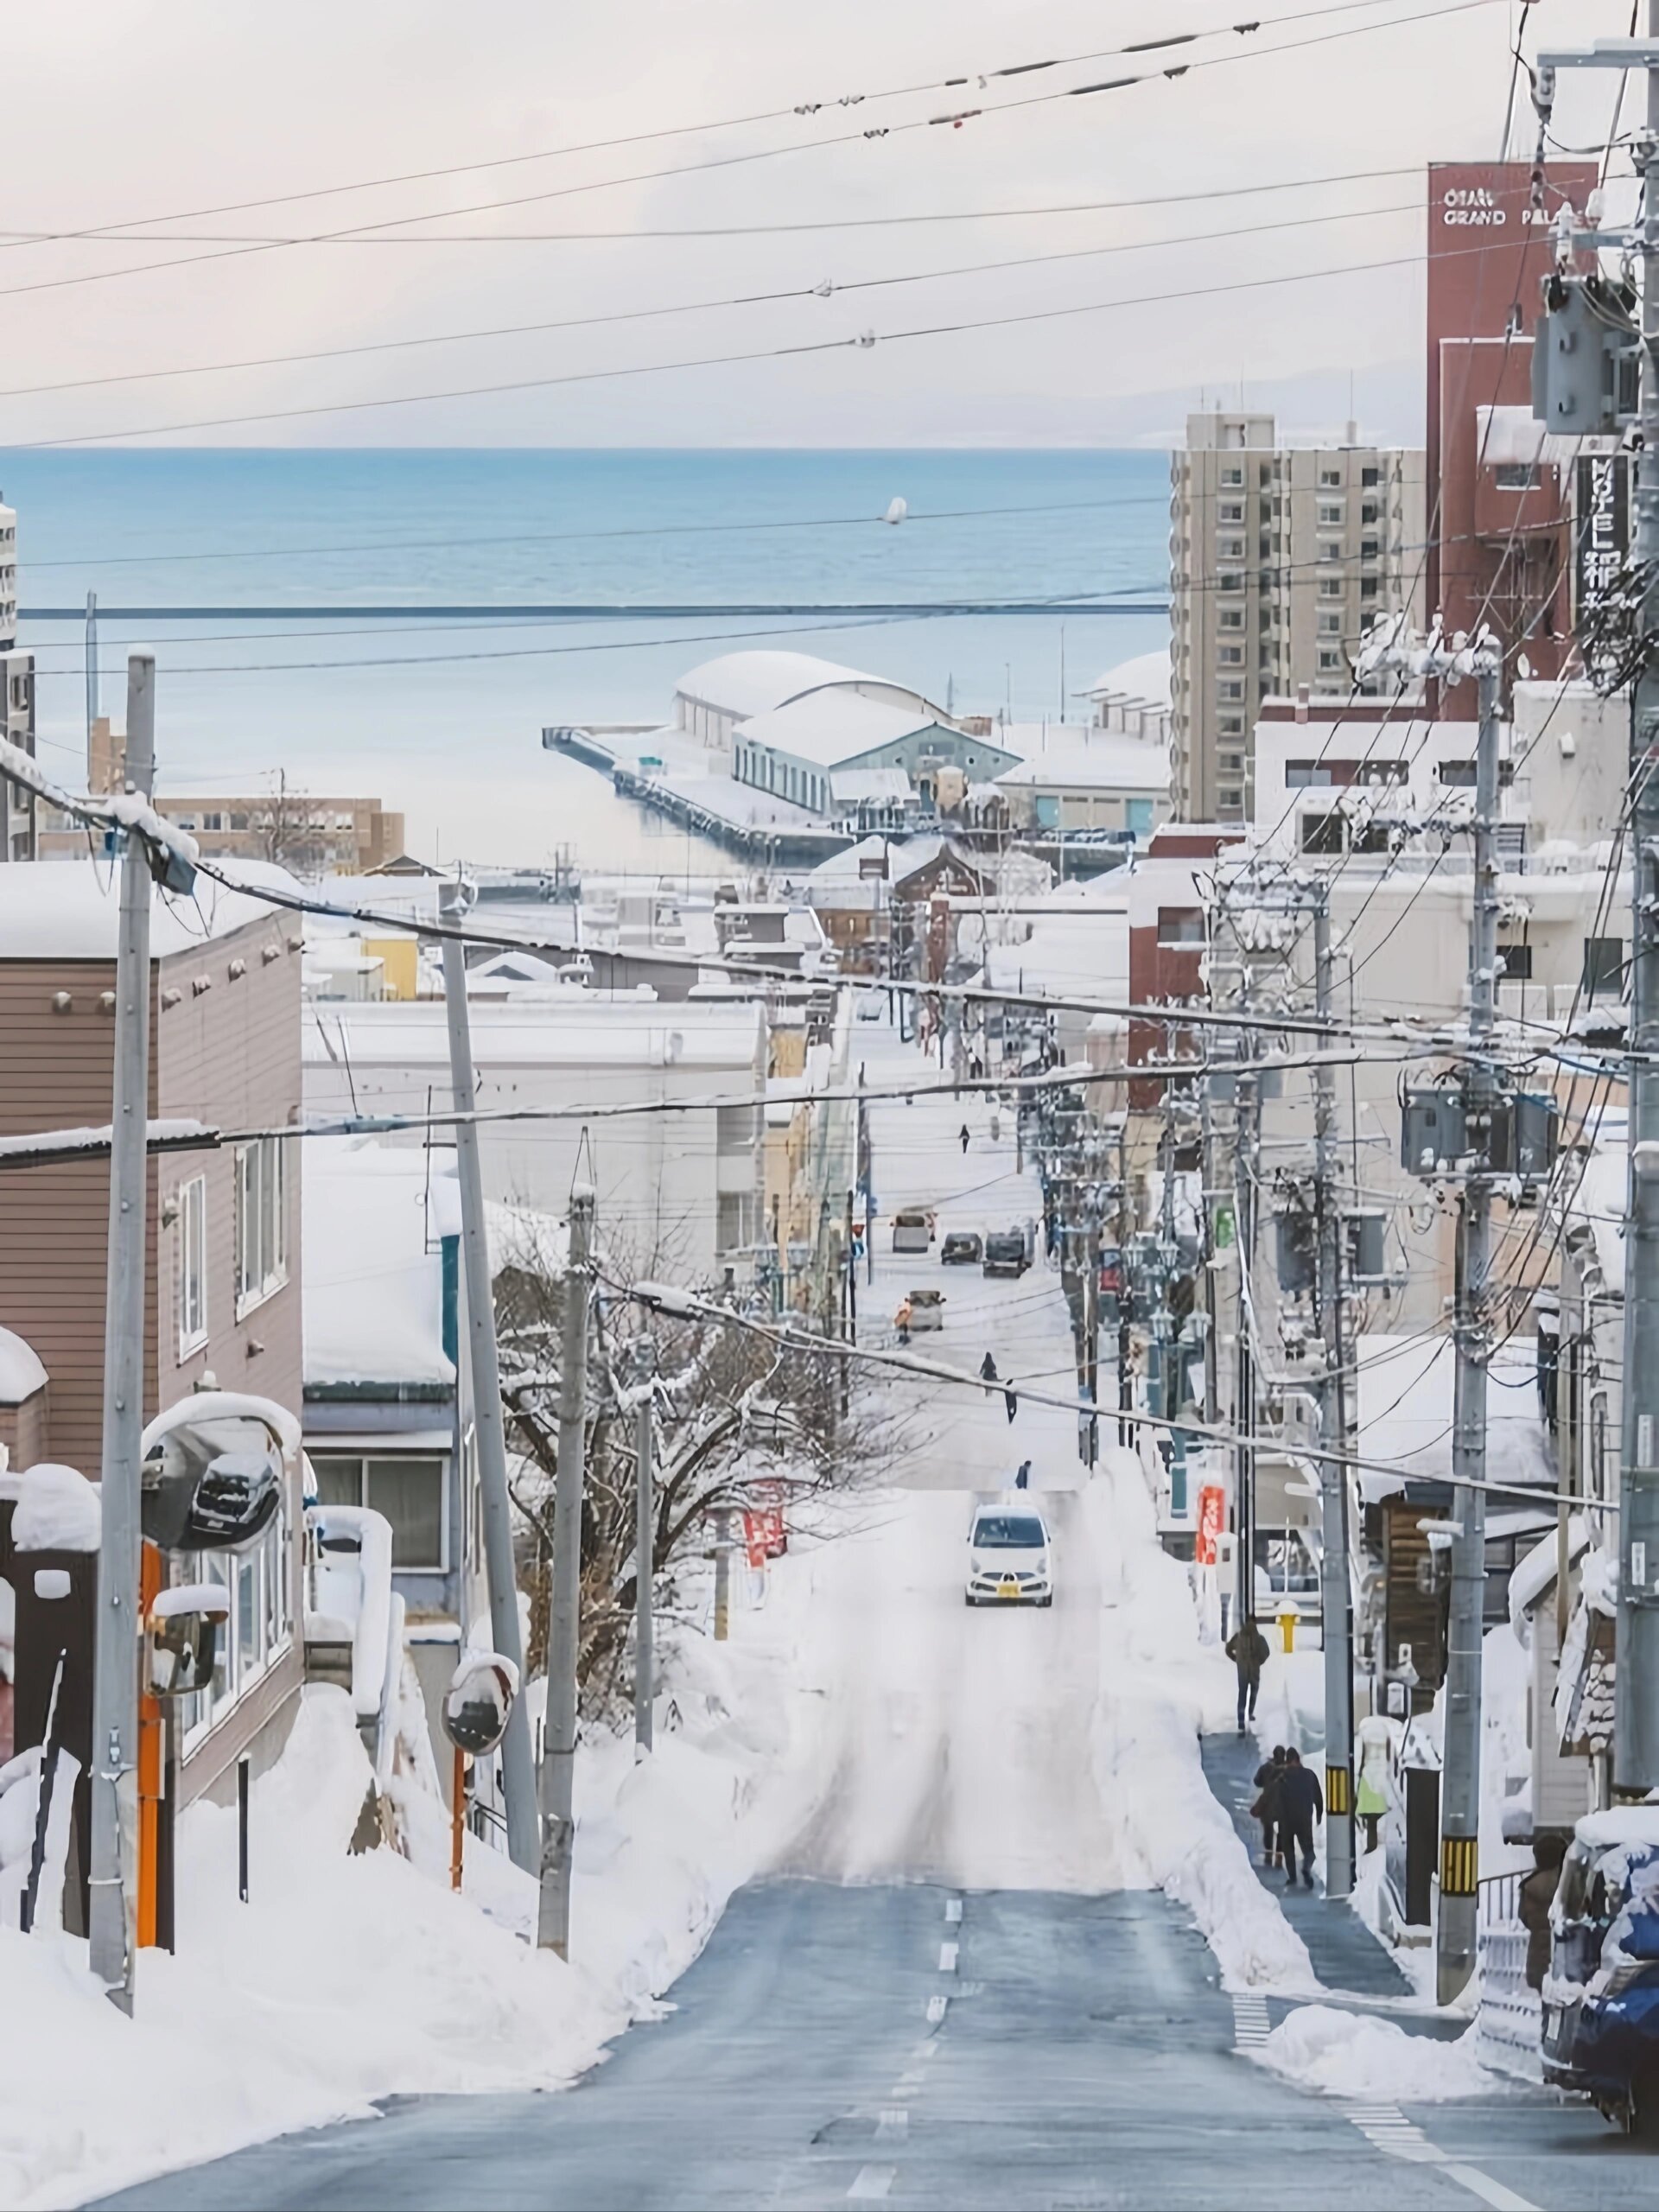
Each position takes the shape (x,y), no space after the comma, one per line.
(442,717)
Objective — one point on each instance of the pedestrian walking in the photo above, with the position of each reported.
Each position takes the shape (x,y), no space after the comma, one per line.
(1268,1776)
(1301,1801)
(963,1134)
(901,1320)
(1247,1649)
(1022,1479)
(1537,1895)
(988,1369)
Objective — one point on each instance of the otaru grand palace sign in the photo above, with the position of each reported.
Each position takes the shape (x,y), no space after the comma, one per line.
(1479,207)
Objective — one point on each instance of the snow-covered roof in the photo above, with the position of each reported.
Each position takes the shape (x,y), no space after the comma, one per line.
(373,1301)
(754,683)
(842,867)
(20,1372)
(1067,955)
(830,724)
(1146,677)
(1091,759)
(1405,1414)
(575,1030)
(67,910)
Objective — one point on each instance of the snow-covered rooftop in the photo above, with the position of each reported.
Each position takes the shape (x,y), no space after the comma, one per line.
(574,1030)
(754,683)
(68,910)
(1146,677)
(373,1264)
(1063,757)
(1405,1413)
(831,724)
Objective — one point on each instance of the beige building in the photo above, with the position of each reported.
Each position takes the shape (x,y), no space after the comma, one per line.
(1280,556)
(310,834)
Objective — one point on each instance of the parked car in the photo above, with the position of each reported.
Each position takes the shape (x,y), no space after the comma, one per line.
(1009,1561)
(1601,1995)
(912,1232)
(1006,1252)
(963,1248)
(927,1309)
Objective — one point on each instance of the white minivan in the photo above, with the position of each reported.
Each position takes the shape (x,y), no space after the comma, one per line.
(1009,1560)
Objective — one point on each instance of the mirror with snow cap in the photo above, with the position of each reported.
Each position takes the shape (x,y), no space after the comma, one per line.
(213,1472)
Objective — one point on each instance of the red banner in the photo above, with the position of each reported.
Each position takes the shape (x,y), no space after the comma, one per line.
(1212,1519)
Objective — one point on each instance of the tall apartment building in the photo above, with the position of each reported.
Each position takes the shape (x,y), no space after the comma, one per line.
(16,700)
(1279,557)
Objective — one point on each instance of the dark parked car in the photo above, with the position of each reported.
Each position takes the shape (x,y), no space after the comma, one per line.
(1005,1253)
(1601,1995)
(963,1248)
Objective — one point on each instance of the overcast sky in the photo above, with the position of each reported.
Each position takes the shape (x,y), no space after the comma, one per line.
(119,110)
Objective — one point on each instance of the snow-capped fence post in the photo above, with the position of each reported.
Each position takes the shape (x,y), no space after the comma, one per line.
(644,1515)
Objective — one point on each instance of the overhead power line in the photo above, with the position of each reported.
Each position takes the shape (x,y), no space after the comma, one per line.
(771,153)
(824,288)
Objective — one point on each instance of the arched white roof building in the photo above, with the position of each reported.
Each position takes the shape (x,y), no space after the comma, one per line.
(711,699)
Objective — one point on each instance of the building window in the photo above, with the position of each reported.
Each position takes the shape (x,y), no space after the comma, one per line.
(1329,587)
(1330,626)
(1368,478)
(1604,967)
(1230,724)
(1368,587)
(1233,479)
(261,1222)
(1329,660)
(1368,511)
(1322,833)
(1330,479)
(1230,511)
(1330,550)
(1232,618)
(1230,656)
(1330,511)
(1230,549)
(1229,580)
(1180,925)
(1515,962)
(1232,762)
(1230,687)
(1514,476)
(193,1264)
(407,1490)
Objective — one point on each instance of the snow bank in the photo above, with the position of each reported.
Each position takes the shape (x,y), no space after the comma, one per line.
(1159,1687)
(348,1978)
(1355,2055)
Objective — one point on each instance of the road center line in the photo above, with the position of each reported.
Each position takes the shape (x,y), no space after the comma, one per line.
(871,2184)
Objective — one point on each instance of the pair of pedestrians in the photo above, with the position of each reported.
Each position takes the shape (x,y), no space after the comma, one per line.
(1288,1800)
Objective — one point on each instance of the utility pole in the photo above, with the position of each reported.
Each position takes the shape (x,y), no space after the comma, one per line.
(517,1767)
(1244,1156)
(114,1904)
(1588,380)
(1636,1719)
(1456,1934)
(1336,1590)
(559,1753)
(92,707)
(644,1515)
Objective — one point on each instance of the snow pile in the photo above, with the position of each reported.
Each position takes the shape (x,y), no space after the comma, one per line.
(58,1510)
(347,1979)
(1356,2054)
(1159,1686)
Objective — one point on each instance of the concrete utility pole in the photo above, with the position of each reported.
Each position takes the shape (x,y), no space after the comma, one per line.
(114,1904)
(559,1754)
(517,1767)
(1455,1932)
(1636,1713)
(1336,1590)
(645,1519)
(1247,1126)
(93,708)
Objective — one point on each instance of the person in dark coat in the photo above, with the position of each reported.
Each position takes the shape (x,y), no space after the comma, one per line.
(1537,1894)
(1301,1801)
(988,1369)
(1268,1776)
(963,1134)
(1022,1478)
(1247,1649)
